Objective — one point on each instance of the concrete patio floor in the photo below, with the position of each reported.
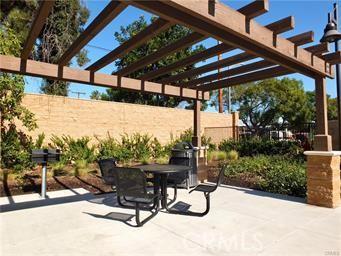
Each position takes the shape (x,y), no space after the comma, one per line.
(241,222)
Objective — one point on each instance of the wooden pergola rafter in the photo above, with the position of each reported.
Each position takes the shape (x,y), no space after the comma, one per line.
(265,53)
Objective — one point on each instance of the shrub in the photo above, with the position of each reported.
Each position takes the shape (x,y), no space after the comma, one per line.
(110,147)
(74,149)
(276,174)
(232,155)
(252,147)
(216,155)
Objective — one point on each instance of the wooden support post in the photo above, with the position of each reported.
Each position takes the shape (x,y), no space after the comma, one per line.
(322,140)
(196,140)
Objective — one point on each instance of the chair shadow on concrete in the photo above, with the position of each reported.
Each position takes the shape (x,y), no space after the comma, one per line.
(116,216)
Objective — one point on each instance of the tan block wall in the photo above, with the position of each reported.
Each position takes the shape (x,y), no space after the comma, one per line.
(76,117)
(323,180)
(334,132)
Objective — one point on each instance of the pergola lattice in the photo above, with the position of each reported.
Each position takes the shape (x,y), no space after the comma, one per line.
(236,29)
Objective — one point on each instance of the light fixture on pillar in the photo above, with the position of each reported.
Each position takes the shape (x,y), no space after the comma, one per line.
(332,35)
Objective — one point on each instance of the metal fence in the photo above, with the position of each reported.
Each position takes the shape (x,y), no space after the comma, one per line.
(304,133)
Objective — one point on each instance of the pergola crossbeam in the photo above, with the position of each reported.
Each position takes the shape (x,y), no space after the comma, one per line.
(142,37)
(184,42)
(255,66)
(36,27)
(254,9)
(318,49)
(256,39)
(303,38)
(279,26)
(247,78)
(227,73)
(112,10)
(235,59)
(226,62)
(282,25)
(205,54)
(55,72)
(332,58)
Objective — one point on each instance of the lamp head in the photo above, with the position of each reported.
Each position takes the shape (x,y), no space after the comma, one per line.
(330,33)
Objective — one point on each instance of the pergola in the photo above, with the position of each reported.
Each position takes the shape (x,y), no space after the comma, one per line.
(265,54)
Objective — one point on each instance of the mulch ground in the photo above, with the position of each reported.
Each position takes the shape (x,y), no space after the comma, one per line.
(31,182)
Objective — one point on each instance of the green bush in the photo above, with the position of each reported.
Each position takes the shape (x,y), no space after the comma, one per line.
(232,155)
(252,147)
(276,174)
(74,149)
(110,147)
(216,155)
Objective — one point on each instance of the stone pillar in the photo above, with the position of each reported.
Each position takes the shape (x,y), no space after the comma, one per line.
(196,139)
(322,141)
(323,178)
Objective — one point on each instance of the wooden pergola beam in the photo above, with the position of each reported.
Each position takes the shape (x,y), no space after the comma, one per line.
(225,62)
(254,9)
(232,72)
(318,49)
(332,58)
(184,42)
(247,78)
(279,26)
(254,38)
(303,38)
(282,25)
(235,59)
(36,27)
(110,12)
(16,65)
(227,73)
(205,54)
(142,37)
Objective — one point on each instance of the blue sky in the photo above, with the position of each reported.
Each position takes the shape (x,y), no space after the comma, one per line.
(309,15)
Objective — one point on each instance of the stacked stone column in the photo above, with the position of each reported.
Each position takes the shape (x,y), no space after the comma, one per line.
(323,178)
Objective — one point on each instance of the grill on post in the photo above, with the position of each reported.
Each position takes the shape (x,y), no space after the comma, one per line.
(184,153)
(43,156)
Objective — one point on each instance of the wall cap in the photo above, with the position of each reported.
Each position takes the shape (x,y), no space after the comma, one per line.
(322,153)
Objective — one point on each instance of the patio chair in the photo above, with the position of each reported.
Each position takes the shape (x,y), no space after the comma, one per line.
(131,184)
(178,178)
(207,189)
(106,167)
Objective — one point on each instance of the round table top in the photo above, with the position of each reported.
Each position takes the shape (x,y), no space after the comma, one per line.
(164,168)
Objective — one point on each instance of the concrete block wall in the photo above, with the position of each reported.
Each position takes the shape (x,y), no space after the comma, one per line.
(77,117)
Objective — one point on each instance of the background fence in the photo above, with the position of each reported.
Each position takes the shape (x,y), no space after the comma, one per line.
(304,134)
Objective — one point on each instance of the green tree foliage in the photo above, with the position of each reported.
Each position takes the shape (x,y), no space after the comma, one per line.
(15,144)
(169,36)
(332,106)
(64,24)
(271,101)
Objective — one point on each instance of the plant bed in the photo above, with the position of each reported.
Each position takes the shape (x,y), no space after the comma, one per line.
(273,174)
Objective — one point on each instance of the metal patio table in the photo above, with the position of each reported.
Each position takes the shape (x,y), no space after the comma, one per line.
(160,173)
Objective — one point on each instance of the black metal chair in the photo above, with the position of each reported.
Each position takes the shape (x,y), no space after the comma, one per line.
(131,184)
(178,178)
(106,167)
(207,189)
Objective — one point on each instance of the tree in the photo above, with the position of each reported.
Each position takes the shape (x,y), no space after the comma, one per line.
(167,37)
(331,102)
(14,143)
(271,101)
(64,24)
